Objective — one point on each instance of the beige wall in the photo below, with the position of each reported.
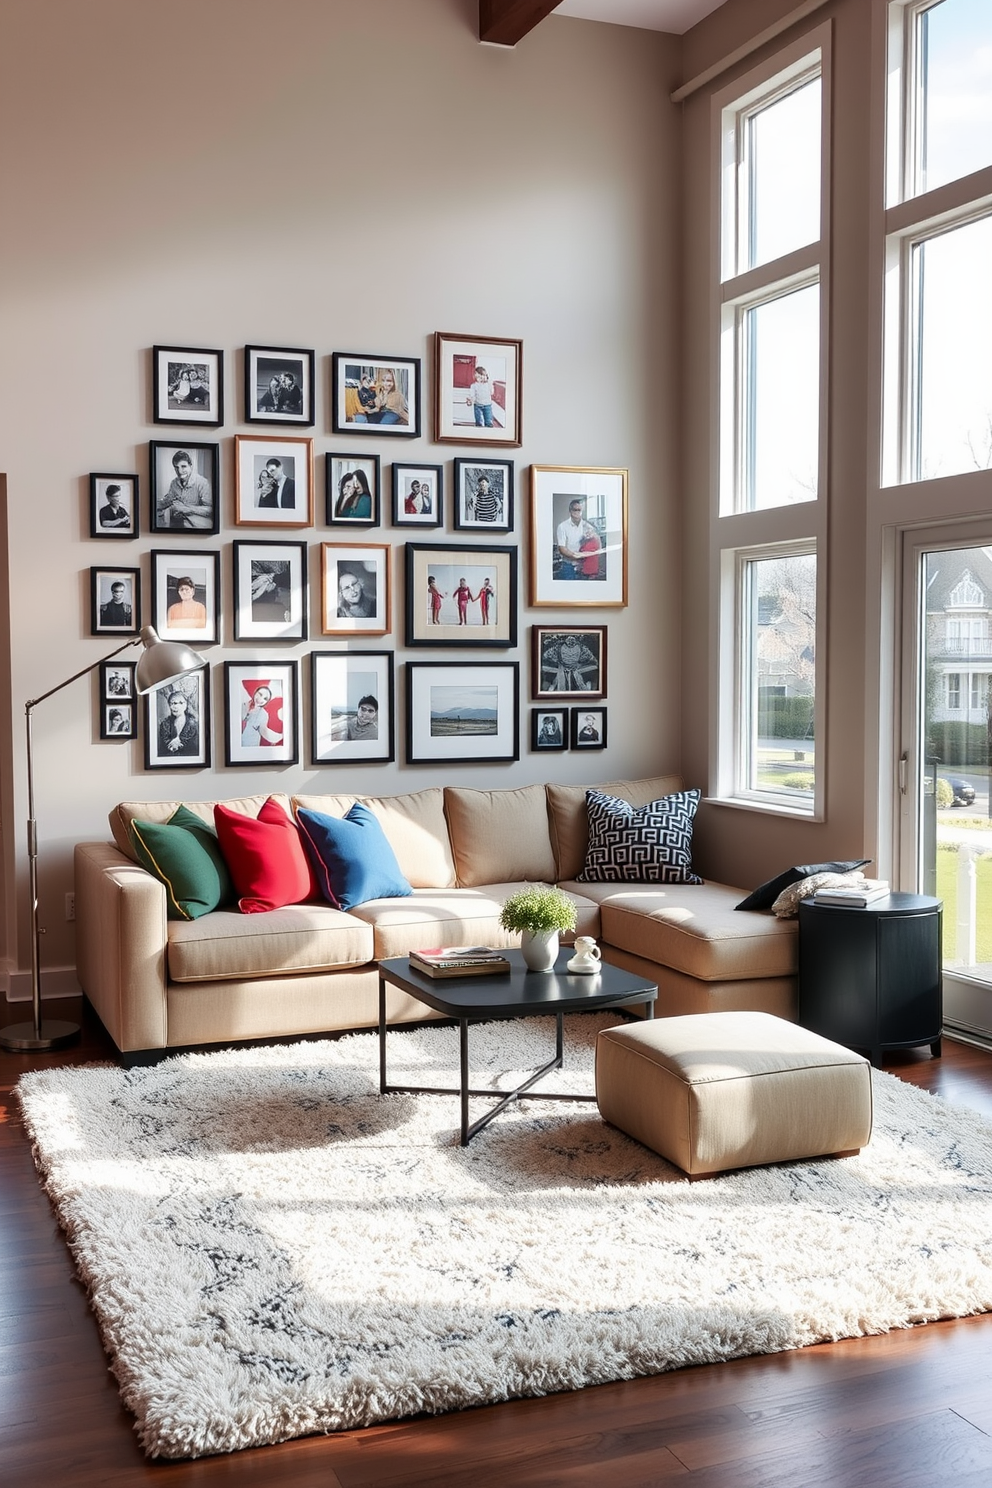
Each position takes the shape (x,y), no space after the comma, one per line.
(347,178)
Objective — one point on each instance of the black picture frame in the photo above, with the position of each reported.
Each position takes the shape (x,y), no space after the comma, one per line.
(187,385)
(186,746)
(581,725)
(271,592)
(345,504)
(498,496)
(114,506)
(187,506)
(462,713)
(356,373)
(408,484)
(568,661)
(186,612)
(279,385)
(277,717)
(102,594)
(436,612)
(118,702)
(549,730)
(340,682)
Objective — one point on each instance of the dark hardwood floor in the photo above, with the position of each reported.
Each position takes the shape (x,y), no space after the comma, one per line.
(910,1409)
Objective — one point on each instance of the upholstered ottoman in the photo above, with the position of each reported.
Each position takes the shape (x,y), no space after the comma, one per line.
(732,1090)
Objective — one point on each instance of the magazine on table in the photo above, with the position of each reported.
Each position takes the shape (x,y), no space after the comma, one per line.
(858,896)
(459,961)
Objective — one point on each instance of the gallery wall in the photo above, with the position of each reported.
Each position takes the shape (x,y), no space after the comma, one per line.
(337,178)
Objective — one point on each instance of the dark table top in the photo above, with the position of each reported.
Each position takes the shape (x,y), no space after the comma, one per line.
(520,993)
(895,903)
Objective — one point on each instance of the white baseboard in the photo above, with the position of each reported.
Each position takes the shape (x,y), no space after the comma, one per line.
(56,981)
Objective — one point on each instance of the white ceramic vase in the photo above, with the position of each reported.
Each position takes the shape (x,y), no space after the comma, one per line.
(540,949)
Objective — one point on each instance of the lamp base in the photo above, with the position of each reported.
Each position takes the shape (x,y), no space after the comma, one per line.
(24,1038)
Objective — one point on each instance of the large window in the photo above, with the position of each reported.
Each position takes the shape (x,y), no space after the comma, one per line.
(938,410)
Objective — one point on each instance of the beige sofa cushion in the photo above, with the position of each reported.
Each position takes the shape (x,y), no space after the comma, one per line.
(433,917)
(694,928)
(415,826)
(569,824)
(500,836)
(159,811)
(731,1090)
(298,938)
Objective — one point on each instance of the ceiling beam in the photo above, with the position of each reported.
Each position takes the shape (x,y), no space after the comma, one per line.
(505,22)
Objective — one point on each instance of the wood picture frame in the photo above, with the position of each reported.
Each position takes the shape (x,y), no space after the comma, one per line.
(578,546)
(355,589)
(273,481)
(478,389)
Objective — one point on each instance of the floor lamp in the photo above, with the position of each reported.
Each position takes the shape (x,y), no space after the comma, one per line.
(160,662)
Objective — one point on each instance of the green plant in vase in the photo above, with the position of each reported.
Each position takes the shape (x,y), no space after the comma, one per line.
(541,913)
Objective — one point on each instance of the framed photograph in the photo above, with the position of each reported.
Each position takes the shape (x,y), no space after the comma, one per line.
(273,481)
(186,595)
(418,495)
(113,505)
(118,703)
(260,712)
(177,724)
(461,595)
(278,386)
(478,383)
(355,596)
(117,681)
(115,601)
(375,392)
(568,662)
(548,729)
(484,495)
(578,548)
(462,714)
(351,707)
(588,728)
(352,490)
(118,720)
(185,487)
(188,385)
(270,591)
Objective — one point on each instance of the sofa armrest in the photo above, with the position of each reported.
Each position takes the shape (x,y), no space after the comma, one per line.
(121,941)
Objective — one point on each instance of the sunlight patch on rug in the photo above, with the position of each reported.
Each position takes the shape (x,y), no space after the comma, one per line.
(273,1249)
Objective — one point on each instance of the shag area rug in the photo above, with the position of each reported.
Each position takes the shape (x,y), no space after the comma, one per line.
(273,1249)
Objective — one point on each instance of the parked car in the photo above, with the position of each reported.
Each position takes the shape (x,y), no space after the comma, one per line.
(962,794)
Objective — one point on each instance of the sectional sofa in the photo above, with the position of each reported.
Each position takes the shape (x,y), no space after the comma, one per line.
(160,984)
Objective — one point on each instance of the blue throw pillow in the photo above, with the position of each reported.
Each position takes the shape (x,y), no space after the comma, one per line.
(352,860)
(647,844)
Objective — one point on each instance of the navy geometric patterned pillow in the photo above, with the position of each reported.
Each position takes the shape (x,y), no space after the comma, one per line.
(646,844)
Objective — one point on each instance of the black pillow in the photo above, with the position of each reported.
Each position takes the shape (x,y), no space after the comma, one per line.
(765,894)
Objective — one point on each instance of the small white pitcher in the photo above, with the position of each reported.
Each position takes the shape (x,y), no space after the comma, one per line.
(587,957)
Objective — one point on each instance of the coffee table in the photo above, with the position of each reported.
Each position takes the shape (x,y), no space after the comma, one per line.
(518,993)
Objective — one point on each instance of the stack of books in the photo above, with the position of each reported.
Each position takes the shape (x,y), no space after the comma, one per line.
(855,897)
(454,961)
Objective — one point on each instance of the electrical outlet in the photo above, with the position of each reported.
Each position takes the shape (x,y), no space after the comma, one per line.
(70,906)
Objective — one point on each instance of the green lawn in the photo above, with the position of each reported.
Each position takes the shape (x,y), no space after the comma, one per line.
(947,889)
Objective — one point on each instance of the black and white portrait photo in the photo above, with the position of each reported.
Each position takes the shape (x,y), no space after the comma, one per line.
(188,385)
(113,505)
(270,591)
(355,589)
(484,495)
(278,385)
(569,663)
(588,728)
(274,481)
(115,607)
(184,487)
(549,728)
(177,732)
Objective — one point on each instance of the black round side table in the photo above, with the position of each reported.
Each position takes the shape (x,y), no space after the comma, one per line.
(870,978)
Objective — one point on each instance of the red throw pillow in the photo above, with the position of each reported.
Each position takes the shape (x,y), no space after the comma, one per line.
(266,858)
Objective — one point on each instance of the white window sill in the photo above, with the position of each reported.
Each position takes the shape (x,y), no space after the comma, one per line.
(765,807)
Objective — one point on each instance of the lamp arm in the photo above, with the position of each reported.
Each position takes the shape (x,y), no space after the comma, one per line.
(33,702)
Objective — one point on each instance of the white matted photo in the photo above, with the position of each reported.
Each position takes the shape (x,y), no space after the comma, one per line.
(270,591)
(113,505)
(188,385)
(177,724)
(477,389)
(355,596)
(273,481)
(352,490)
(578,548)
(462,714)
(260,712)
(186,595)
(484,495)
(278,385)
(351,706)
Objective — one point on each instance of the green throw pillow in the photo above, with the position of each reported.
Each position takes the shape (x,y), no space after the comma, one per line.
(184,854)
